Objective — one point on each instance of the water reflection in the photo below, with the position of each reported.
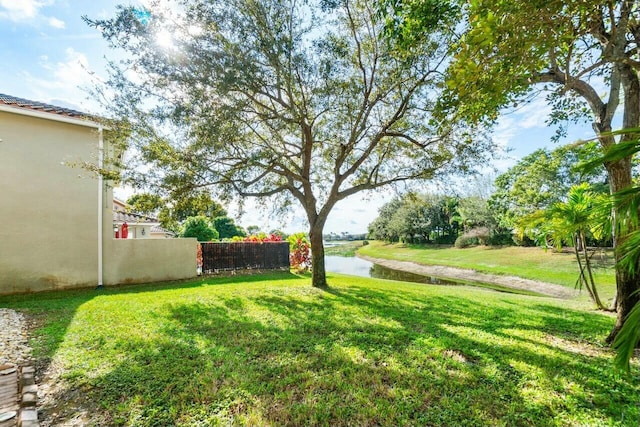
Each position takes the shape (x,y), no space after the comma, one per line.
(360,267)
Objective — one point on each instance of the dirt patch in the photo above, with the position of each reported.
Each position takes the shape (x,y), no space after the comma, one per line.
(513,282)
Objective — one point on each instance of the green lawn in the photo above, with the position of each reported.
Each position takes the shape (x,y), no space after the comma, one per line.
(530,263)
(272,350)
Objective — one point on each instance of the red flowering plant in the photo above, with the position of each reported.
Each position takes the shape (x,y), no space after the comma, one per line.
(299,251)
(263,237)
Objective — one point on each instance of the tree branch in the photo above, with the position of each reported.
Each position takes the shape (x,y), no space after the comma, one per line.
(579,86)
(413,140)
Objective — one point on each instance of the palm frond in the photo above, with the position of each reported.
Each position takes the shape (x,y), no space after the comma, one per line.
(627,203)
(601,224)
(617,151)
(627,339)
(630,252)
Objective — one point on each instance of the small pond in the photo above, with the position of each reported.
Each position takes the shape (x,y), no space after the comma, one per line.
(360,267)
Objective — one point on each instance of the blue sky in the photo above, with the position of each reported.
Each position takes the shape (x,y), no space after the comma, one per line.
(48,54)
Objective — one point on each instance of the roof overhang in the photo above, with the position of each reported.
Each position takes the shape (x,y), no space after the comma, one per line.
(52,116)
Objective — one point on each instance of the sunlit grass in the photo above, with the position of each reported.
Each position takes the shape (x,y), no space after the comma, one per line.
(273,350)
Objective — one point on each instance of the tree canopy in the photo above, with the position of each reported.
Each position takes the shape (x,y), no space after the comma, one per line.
(542,178)
(227,227)
(200,228)
(174,209)
(417,218)
(297,101)
(146,203)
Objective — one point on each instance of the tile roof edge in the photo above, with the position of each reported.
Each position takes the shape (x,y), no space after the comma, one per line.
(40,106)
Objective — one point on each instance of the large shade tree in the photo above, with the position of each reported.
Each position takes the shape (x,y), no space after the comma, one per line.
(295,101)
(574,49)
(174,209)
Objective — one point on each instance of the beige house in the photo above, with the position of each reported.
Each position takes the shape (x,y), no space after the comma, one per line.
(57,228)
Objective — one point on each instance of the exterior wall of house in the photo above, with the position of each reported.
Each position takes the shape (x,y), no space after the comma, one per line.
(140,231)
(149,260)
(48,213)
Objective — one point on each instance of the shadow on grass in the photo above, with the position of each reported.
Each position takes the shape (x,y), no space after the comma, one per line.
(357,356)
(50,313)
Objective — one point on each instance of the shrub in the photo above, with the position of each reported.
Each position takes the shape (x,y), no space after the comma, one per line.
(198,227)
(504,238)
(475,236)
(464,241)
(199,259)
(523,241)
(447,239)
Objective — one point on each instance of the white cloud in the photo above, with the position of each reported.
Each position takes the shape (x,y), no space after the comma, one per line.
(21,10)
(351,215)
(69,73)
(504,131)
(56,23)
(256,212)
(516,123)
(501,165)
(534,114)
(64,79)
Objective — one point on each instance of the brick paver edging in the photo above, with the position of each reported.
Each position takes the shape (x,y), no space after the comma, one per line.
(28,398)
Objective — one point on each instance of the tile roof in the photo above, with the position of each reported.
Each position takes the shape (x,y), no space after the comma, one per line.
(40,106)
(119,216)
(158,229)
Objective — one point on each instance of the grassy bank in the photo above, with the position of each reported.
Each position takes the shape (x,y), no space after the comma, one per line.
(342,248)
(272,350)
(530,263)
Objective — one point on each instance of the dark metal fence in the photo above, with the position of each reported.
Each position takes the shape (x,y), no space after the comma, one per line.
(244,255)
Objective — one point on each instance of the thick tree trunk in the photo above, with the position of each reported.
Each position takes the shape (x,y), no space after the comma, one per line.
(620,178)
(318,273)
(626,283)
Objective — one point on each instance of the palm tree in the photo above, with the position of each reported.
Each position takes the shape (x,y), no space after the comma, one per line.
(570,223)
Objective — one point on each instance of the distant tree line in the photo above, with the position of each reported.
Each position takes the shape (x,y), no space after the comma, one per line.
(344,236)
(417,218)
(500,216)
